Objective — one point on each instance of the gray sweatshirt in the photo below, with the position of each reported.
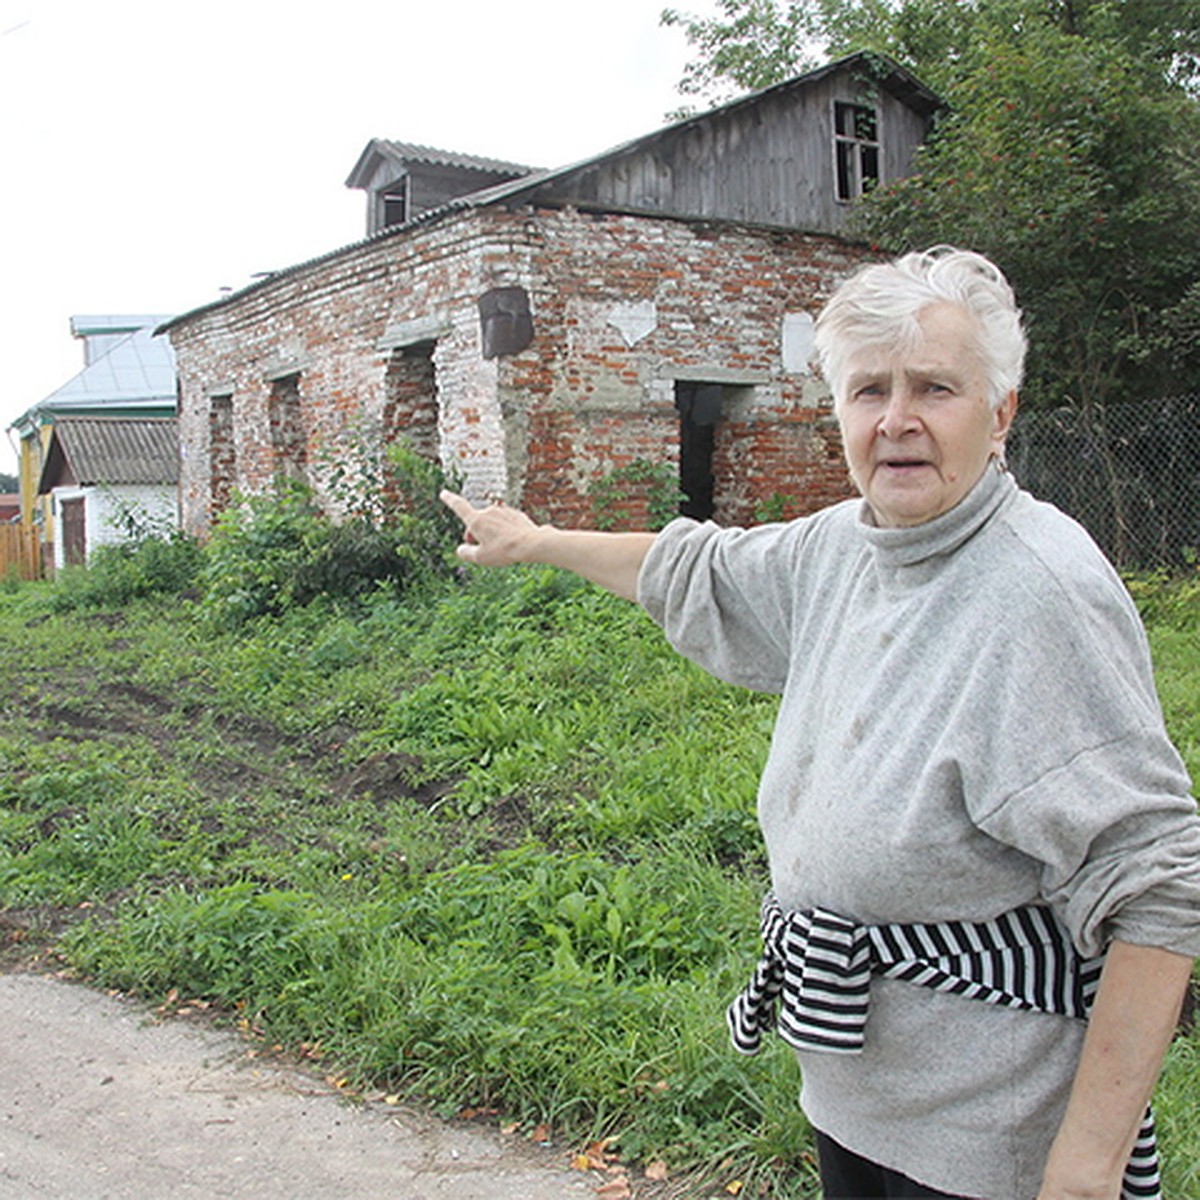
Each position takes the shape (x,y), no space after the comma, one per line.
(968,723)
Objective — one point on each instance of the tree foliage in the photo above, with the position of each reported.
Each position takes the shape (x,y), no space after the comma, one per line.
(750,44)
(1059,161)
(1068,152)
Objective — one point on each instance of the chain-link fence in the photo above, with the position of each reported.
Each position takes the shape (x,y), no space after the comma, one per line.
(1129,473)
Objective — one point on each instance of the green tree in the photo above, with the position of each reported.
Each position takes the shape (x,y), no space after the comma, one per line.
(1068,152)
(748,44)
(1062,161)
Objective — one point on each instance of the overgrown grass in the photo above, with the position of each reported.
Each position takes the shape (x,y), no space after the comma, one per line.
(490,843)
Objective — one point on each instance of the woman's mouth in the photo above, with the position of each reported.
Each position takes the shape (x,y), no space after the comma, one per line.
(904,464)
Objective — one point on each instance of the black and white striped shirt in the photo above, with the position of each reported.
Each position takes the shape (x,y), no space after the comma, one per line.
(812,983)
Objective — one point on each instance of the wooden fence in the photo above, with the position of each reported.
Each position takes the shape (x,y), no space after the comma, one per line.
(20,553)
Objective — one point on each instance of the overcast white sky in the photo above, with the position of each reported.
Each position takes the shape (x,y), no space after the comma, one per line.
(155,152)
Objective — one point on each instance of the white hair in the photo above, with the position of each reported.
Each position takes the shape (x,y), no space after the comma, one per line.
(880,303)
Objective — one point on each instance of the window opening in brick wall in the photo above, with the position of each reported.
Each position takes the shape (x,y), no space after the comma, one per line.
(856,148)
(222,456)
(410,406)
(288,442)
(699,406)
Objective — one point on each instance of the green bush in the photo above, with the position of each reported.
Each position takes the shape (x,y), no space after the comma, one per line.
(351,560)
(258,547)
(1166,599)
(274,551)
(621,496)
(118,574)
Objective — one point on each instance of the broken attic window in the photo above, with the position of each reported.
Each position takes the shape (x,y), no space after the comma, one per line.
(856,148)
(395,205)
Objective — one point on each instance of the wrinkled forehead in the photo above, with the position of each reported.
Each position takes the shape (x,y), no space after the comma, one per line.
(938,337)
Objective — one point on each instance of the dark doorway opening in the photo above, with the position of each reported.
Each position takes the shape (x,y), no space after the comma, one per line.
(699,406)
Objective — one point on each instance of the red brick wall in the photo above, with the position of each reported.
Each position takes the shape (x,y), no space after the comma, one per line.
(539,427)
(720,294)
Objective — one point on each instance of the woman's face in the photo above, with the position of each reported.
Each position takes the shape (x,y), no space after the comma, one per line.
(917,426)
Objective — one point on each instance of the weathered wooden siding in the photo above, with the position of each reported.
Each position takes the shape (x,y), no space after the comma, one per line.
(771,163)
(20,552)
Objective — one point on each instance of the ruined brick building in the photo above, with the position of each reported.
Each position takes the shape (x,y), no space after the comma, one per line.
(539,330)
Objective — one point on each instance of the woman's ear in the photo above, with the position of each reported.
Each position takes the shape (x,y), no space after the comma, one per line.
(1003,415)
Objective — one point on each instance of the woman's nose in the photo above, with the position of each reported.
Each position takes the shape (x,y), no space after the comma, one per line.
(899,415)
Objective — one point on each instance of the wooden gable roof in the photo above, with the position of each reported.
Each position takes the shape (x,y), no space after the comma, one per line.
(766,158)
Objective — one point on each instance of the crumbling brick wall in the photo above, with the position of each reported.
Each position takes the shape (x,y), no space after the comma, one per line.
(624,307)
(384,339)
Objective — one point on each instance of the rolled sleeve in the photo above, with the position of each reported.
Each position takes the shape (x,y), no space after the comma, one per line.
(1118,835)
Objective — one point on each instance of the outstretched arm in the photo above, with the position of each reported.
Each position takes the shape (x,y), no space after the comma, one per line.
(499,536)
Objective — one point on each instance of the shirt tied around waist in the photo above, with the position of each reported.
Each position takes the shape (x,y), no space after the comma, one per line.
(813,983)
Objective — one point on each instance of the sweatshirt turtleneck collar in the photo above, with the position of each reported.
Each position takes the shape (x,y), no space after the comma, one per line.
(912,544)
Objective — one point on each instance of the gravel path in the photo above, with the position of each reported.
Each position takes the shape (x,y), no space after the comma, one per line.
(99,1100)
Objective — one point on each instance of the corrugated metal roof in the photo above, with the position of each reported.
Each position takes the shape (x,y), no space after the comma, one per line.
(85,323)
(405,154)
(411,152)
(140,367)
(100,450)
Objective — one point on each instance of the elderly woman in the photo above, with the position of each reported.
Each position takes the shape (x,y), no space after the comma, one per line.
(985,858)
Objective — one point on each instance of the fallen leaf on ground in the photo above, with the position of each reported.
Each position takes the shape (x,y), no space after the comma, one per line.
(597,1157)
(615,1189)
(657,1170)
(470,1114)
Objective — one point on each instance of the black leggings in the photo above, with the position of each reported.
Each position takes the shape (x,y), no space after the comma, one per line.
(845,1176)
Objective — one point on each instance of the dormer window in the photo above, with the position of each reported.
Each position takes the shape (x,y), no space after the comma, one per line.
(395,204)
(856,148)
(404,182)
